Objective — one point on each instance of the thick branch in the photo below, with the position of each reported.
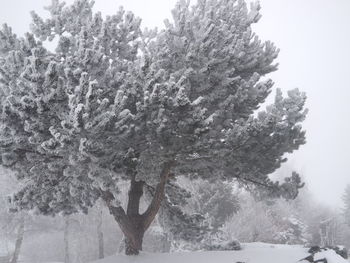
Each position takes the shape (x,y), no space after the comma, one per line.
(46,156)
(158,197)
(255,182)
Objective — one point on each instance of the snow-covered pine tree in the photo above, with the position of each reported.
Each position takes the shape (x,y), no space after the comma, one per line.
(114,103)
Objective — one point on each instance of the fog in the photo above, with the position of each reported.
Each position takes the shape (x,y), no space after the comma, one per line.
(314,38)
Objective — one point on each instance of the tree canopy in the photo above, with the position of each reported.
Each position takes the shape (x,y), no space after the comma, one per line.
(116,102)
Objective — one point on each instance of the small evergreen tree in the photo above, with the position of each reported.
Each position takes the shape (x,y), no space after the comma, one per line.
(202,213)
(115,103)
(215,201)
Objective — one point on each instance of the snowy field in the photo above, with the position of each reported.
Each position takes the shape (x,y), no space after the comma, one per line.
(251,253)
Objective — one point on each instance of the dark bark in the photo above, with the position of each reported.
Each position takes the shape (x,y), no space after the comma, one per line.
(134,245)
(132,223)
(133,241)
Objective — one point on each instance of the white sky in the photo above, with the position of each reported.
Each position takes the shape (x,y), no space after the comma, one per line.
(314,38)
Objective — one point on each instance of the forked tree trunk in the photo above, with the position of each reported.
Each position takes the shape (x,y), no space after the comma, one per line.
(19,240)
(132,223)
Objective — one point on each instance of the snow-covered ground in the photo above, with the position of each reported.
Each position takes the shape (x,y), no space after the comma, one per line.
(251,253)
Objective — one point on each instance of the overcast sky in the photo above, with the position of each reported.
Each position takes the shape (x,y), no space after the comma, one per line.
(314,38)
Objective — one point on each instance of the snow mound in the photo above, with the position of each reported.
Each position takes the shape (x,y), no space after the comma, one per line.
(331,257)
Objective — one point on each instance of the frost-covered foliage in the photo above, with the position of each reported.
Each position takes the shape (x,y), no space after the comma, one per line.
(62,111)
(117,103)
(292,231)
(299,221)
(279,222)
(252,223)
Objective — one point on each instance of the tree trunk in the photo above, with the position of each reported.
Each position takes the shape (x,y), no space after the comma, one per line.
(72,240)
(100,236)
(132,223)
(66,240)
(19,240)
(133,245)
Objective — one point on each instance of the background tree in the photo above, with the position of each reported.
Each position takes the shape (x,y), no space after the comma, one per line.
(216,201)
(300,221)
(100,234)
(115,103)
(346,209)
(201,216)
(12,225)
(253,222)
